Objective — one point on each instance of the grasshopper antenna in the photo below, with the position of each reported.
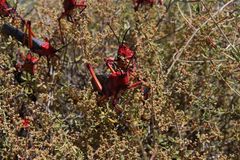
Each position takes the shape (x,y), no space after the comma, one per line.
(125,34)
(114,34)
(131,60)
(64,46)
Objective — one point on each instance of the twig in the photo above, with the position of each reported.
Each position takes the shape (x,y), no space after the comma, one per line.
(163,16)
(215,22)
(222,78)
(199,61)
(234,90)
(184,17)
(190,10)
(169,34)
(142,149)
(154,153)
(177,55)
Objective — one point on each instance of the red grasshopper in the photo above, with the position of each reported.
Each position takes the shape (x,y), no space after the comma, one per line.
(69,6)
(119,80)
(42,48)
(139,3)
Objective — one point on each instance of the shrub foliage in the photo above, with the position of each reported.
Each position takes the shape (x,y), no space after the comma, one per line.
(188,52)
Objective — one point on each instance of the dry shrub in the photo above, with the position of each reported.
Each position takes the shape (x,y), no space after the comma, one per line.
(192,67)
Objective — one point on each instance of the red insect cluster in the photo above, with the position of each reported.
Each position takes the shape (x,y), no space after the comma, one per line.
(123,68)
(27,38)
(140,3)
